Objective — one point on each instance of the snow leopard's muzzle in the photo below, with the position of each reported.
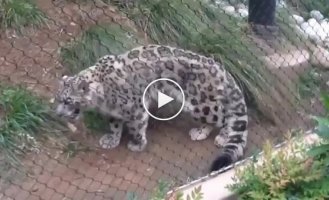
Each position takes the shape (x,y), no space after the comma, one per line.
(71,111)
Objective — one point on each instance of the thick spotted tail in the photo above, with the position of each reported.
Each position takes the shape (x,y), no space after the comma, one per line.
(235,126)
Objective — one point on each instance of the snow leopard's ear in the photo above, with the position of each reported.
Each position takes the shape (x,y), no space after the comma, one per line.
(64,77)
(63,80)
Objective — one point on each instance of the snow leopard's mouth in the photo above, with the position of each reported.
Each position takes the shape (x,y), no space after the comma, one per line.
(76,114)
(62,110)
(76,111)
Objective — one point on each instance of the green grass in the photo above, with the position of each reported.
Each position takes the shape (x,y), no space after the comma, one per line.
(96,122)
(309,83)
(305,6)
(23,117)
(198,26)
(96,42)
(18,14)
(288,31)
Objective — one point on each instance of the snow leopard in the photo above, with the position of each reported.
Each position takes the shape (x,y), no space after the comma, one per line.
(114,86)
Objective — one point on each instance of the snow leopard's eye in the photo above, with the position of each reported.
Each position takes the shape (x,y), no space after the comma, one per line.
(68,101)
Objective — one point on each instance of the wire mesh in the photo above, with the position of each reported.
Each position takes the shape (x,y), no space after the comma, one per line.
(281,67)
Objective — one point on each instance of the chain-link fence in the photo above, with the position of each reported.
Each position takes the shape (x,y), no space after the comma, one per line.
(281,68)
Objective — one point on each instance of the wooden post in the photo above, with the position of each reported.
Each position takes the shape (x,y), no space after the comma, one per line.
(262,17)
(262,12)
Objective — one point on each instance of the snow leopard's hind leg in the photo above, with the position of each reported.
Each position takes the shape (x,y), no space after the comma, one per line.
(235,126)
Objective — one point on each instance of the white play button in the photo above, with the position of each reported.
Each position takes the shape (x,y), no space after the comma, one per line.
(163,99)
(177,97)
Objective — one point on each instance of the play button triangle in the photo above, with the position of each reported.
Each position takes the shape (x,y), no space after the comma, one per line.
(163,99)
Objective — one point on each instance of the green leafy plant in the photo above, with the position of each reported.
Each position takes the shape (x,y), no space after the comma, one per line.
(288,173)
(159,193)
(23,117)
(162,189)
(196,194)
(309,83)
(321,152)
(18,14)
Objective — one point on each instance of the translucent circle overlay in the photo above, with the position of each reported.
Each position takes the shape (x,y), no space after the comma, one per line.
(168,118)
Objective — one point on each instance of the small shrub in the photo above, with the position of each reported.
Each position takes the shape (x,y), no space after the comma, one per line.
(321,152)
(288,174)
(18,14)
(196,194)
(159,193)
(22,117)
(162,189)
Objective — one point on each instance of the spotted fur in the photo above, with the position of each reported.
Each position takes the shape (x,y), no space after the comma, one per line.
(115,84)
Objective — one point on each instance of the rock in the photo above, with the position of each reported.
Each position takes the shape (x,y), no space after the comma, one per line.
(243,12)
(72,127)
(221,3)
(325,26)
(298,19)
(52,100)
(316,15)
(314,30)
(241,6)
(318,29)
(312,22)
(232,2)
(229,10)
(320,57)
(309,31)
